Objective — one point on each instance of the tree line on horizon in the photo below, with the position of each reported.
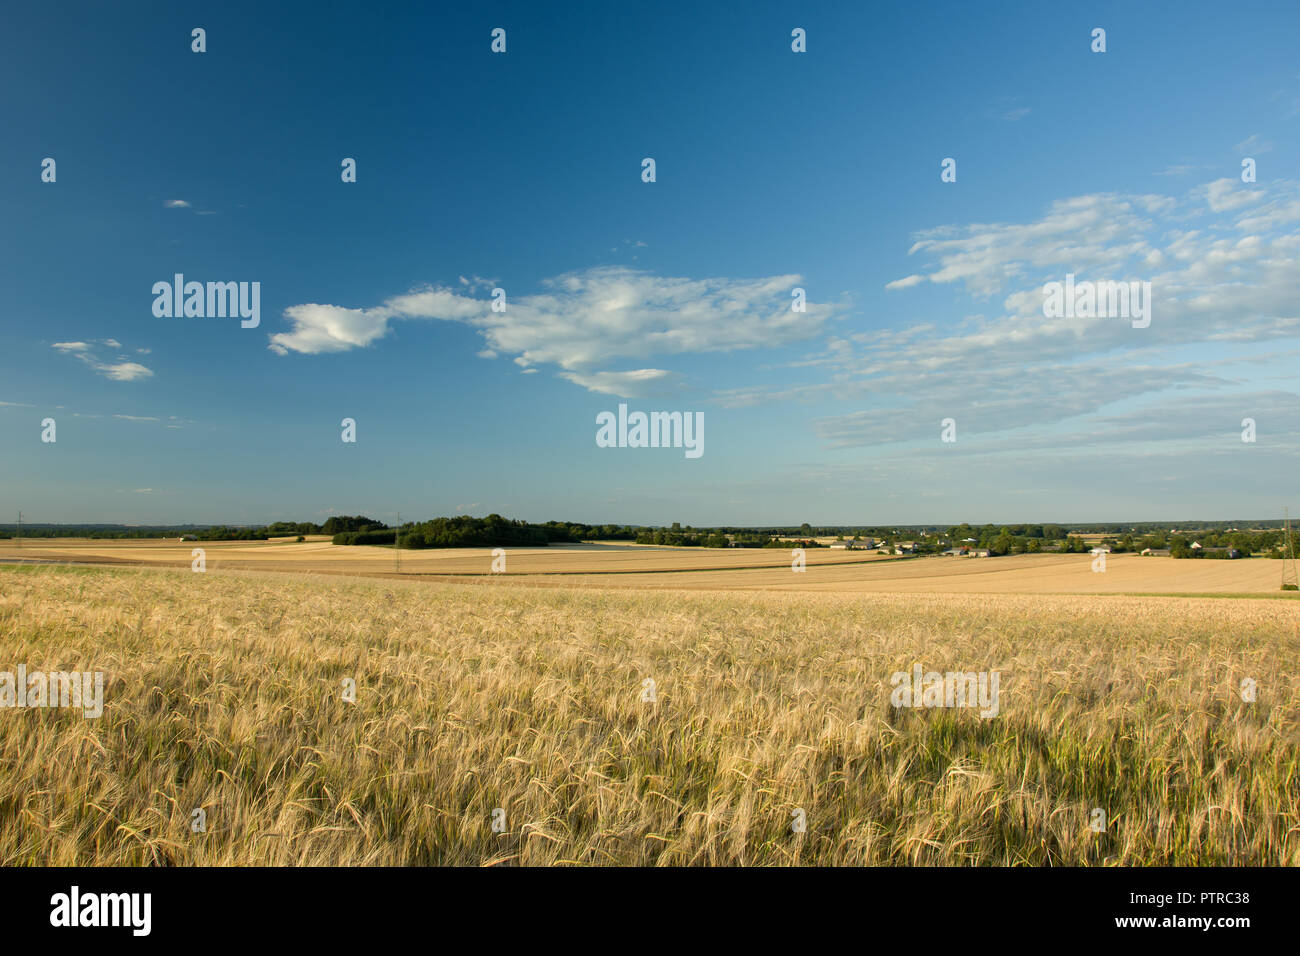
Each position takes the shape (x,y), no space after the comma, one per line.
(1216,538)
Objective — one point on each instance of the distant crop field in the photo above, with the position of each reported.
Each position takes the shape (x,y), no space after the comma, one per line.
(319,555)
(625,565)
(499,724)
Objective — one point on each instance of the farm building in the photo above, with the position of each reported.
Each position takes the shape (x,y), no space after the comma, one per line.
(856,544)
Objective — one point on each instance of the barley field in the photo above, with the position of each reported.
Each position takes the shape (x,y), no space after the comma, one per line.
(225,691)
(624,565)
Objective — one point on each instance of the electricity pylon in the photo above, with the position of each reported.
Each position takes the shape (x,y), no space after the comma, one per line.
(1289,580)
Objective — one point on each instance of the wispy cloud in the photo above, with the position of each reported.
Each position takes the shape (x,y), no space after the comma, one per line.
(1183,169)
(1009,109)
(120,369)
(1253,144)
(1223,261)
(582,321)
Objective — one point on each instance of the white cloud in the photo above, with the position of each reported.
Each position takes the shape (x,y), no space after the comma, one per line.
(906,282)
(583,320)
(176,204)
(1225,195)
(1095,232)
(120,370)
(329,328)
(125,371)
(635,383)
(1232,280)
(1253,144)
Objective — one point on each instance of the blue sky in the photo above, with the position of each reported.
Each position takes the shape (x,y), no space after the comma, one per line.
(774,169)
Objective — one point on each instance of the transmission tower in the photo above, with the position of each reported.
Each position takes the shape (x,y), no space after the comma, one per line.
(1289,580)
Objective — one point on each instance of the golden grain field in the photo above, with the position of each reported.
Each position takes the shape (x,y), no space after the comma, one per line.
(224,692)
(632,566)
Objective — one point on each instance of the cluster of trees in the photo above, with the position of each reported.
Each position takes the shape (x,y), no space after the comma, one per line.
(211,533)
(577,531)
(1177,527)
(225,533)
(358,529)
(461,531)
(339,524)
(1270,544)
(466,532)
(1214,543)
(683,539)
(986,534)
(1004,541)
(689,537)
(365,537)
(281,529)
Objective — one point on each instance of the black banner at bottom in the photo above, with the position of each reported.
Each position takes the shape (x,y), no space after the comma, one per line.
(302,906)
